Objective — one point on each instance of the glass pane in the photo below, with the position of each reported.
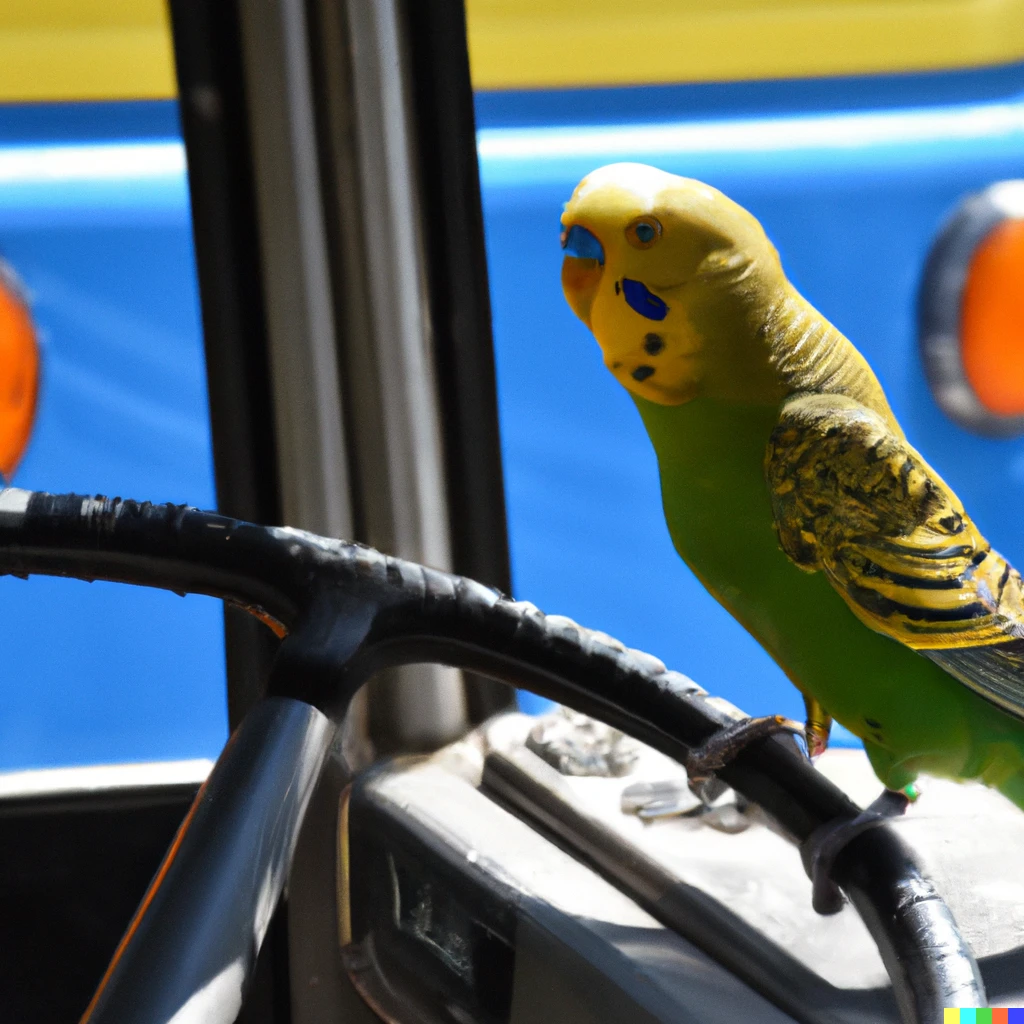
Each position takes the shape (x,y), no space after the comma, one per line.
(852,179)
(94,223)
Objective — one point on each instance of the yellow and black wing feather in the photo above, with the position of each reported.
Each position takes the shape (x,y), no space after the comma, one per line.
(852,499)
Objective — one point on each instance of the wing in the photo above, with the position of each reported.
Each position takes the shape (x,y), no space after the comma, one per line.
(852,499)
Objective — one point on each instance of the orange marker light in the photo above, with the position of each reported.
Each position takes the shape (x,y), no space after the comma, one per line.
(19,378)
(992,320)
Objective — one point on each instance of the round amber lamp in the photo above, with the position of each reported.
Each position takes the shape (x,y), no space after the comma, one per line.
(19,379)
(992,320)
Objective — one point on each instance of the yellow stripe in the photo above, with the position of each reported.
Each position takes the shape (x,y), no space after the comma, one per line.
(53,50)
(560,43)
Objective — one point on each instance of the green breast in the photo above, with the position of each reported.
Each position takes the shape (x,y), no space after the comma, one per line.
(912,716)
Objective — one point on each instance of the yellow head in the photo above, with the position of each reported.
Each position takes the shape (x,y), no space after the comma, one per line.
(674,279)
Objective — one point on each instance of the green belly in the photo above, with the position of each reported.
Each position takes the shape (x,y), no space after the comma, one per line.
(912,716)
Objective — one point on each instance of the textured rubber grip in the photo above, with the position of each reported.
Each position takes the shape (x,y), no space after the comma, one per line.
(350,611)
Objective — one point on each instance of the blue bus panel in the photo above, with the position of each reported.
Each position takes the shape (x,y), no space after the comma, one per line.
(94,218)
(852,180)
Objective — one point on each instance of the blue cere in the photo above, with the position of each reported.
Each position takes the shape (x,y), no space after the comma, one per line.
(644,302)
(852,178)
(583,243)
(95,220)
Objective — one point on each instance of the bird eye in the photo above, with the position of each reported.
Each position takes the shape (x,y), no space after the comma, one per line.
(643,232)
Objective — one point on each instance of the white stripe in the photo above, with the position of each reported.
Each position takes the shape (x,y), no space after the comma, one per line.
(812,132)
(134,161)
(33,165)
(101,778)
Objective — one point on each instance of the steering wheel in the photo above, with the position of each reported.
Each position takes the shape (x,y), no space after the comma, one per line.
(347,611)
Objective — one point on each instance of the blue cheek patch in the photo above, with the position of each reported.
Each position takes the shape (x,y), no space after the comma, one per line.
(645,303)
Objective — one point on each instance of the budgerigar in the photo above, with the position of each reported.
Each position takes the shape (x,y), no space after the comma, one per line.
(790,489)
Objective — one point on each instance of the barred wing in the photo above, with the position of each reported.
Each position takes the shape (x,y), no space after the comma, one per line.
(852,499)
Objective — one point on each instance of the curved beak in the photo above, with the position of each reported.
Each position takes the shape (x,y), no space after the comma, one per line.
(19,378)
(581,269)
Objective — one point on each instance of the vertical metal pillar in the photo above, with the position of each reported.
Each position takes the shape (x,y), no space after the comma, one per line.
(343,278)
(302,340)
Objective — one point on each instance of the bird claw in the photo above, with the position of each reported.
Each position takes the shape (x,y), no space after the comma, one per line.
(821,848)
(723,746)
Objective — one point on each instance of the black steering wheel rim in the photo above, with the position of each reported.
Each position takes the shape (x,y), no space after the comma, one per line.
(349,611)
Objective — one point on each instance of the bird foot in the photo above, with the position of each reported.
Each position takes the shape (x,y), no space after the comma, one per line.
(821,848)
(719,749)
(817,729)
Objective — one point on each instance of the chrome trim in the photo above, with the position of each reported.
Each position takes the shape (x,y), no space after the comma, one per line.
(384,329)
(311,455)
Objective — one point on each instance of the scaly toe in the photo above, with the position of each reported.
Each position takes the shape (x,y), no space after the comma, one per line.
(821,848)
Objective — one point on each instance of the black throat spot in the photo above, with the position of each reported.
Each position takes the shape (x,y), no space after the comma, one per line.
(654,344)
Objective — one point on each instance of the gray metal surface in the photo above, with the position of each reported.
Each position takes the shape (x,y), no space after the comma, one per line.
(311,456)
(395,441)
(968,838)
(321,991)
(585,952)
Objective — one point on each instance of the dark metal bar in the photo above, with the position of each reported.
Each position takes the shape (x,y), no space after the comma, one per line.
(215,125)
(353,611)
(193,943)
(215,119)
(456,265)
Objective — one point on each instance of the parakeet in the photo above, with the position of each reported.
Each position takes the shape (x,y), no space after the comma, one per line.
(791,491)
(19,374)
